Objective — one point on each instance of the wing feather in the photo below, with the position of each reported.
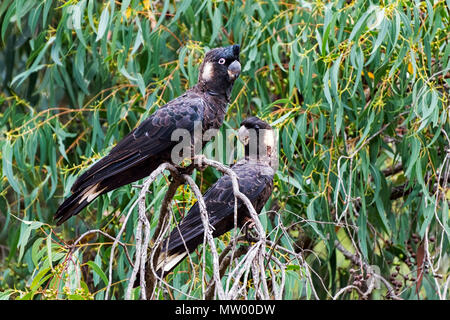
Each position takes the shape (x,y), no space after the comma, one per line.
(152,137)
(219,200)
(135,156)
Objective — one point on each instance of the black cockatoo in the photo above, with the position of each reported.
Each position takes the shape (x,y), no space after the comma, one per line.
(255,176)
(150,144)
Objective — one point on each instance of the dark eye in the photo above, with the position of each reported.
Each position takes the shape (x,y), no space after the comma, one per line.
(221,61)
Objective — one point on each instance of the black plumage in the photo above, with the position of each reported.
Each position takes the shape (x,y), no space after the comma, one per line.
(150,144)
(255,176)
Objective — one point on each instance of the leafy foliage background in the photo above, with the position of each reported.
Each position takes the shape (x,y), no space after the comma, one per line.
(359,91)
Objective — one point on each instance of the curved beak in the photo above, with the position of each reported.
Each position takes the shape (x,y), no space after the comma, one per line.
(234,70)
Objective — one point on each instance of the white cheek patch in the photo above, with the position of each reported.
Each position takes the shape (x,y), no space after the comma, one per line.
(208,71)
(269,138)
(243,135)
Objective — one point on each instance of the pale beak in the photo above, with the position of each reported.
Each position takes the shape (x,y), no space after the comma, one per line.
(234,70)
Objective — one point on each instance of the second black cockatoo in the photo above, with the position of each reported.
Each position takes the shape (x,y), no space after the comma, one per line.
(255,176)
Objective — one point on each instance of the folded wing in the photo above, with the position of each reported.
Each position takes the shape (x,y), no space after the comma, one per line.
(135,156)
(219,200)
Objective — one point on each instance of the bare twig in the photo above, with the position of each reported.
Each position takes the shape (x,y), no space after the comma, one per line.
(208,234)
(255,258)
(123,245)
(357,261)
(142,195)
(150,272)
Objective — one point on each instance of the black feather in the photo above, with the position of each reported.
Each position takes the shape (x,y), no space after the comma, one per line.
(255,181)
(150,144)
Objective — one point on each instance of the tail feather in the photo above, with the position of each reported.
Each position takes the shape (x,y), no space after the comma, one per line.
(76,202)
(183,240)
(168,261)
(173,253)
(103,171)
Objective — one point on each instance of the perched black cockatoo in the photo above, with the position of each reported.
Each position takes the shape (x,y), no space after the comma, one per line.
(255,176)
(150,144)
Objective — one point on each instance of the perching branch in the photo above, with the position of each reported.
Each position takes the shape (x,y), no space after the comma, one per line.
(141,196)
(254,259)
(161,228)
(208,234)
(357,261)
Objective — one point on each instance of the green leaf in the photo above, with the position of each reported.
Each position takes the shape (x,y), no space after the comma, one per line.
(49,250)
(97,270)
(415,149)
(25,232)
(216,24)
(40,278)
(34,67)
(275,53)
(7,166)
(35,250)
(77,16)
(103,23)
(6,294)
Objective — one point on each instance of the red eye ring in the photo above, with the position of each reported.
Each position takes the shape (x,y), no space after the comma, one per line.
(221,61)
